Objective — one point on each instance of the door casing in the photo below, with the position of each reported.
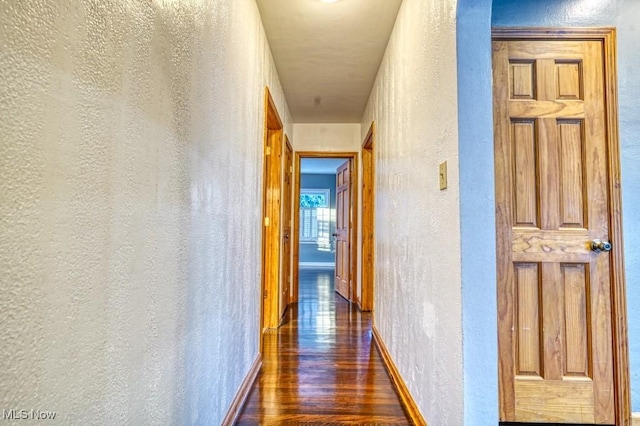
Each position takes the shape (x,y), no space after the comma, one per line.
(287,238)
(368,221)
(607,36)
(353,157)
(271,213)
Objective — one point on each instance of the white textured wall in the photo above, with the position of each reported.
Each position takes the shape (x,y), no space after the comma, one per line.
(130,140)
(417,281)
(327,137)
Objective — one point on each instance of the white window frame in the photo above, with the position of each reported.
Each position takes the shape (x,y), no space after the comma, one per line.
(308,217)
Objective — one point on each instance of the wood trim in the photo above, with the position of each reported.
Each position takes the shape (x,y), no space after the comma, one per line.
(549,33)
(353,230)
(619,302)
(273,121)
(607,36)
(353,156)
(326,154)
(368,221)
(272,209)
(406,399)
(295,273)
(288,143)
(503,238)
(286,271)
(243,393)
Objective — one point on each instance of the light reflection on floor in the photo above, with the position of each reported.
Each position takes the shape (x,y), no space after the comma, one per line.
(321,367)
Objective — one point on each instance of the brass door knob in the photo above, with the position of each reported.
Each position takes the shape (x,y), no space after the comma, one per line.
(599,245)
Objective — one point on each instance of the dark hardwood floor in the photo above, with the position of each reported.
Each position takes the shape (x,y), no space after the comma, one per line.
(321,367)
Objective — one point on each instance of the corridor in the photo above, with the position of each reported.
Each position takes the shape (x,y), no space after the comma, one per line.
(321,366)
(137,142)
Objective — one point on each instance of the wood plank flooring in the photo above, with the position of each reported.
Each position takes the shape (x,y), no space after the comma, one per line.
(321,367)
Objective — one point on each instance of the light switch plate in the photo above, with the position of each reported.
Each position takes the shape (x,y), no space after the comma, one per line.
(443,175)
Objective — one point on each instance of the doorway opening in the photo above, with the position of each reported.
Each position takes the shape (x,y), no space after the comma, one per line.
(318,212)
(325,221)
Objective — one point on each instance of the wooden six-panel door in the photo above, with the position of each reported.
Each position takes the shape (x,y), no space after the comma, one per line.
(552,201)
(343,229)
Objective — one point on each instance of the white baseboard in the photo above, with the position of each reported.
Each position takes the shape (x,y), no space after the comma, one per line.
(317,265)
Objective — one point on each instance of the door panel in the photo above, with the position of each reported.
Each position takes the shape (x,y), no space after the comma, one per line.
(552,200)
(343,229)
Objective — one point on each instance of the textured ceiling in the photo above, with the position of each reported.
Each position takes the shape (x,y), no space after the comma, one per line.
(328,54)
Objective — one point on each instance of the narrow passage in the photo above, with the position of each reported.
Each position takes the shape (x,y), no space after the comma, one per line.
(321,366)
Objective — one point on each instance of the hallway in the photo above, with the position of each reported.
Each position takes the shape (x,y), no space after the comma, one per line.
(322,367)
(133,183)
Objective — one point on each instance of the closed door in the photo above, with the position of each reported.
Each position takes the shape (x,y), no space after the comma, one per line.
(552,208)
(286,225)
(343,228)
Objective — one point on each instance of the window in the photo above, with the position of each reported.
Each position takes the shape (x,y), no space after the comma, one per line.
(315,216)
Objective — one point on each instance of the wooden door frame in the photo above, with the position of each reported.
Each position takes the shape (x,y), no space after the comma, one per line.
(607,36)
(286,263)
(271,214)
(353,246)
(368,220)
